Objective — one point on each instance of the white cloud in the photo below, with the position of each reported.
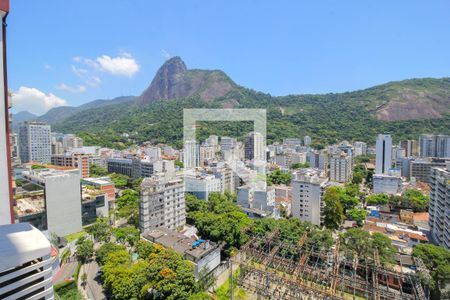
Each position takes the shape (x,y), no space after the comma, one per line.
(165,54)
(35,101)
(87,75)
(71,89)
(121,65)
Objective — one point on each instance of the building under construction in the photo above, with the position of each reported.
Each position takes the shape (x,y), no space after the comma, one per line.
(273,269)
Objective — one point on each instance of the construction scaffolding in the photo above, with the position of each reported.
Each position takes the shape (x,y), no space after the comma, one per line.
(275,269)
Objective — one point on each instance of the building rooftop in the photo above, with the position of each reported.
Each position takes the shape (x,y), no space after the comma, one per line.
(20,243)
(179,242)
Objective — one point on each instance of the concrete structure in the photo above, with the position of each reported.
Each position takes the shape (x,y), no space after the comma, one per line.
(257,203)
(204,254)
(104,184)
(72,160)
(70,141)
(434,145)
(227,143)
(411,147)
(341,168)
(162,203)
(191,154)
(386,184)
(359,148)
(308,187)
(227,178)
(383,154)
(201,184)
(94,204)
(6,194)
(440,206)
(420,169)
(61,202)
(25,263)
(34,142)
(139,168)
(254,147)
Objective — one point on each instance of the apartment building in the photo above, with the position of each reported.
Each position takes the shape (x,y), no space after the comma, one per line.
(34,142)
(162,203)
(308,186)
(420,169)
(255,147)
(75,160)
(383,161)
(341,168)
(411,147)
(434,145)
(25,263)
(54,202)
(202,184)
(359,148)
(439,210)
(139,168)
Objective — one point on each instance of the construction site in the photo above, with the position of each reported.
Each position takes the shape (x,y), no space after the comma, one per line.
(271,268)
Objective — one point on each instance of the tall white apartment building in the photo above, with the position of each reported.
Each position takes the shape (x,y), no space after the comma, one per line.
(25,263)
(440,206)
(308,187)
(359,148)
(162,203)
(227,143)
(341,168)
(383,160)
(255,147)
(191,154)
(34,142)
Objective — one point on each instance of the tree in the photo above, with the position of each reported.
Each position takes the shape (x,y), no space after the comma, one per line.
(83,279)
(97,171)
(144,249)
(102,253)
(413,198)
(334,212)
(179,163)
(383,244)
(100,230)
(377,199)
(128,206)
(358,215)
(437,260)
(300,165)
(119,180)
(278,177)
(128,234)
(85,249)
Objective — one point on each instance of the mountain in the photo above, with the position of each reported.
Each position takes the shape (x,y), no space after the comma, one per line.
(404,108)
(20,117)
(60,113)
(173,80)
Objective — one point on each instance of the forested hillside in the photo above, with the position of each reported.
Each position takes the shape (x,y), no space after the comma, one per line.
(405,109)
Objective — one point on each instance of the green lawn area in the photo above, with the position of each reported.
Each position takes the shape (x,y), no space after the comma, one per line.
(67,291)
(73,236)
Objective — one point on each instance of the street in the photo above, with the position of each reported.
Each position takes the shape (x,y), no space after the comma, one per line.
(93,288)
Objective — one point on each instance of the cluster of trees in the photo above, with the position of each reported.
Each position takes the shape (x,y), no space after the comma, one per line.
(279,177)
(219,219)
(358,244)
(128,206)
(300,165)
(437,260)
(340,201)
(158,273)
(411,198)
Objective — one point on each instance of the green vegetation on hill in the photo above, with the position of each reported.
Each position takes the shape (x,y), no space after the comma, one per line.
(327,118)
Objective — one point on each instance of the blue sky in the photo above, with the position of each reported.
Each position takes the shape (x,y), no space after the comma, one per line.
(72,52)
